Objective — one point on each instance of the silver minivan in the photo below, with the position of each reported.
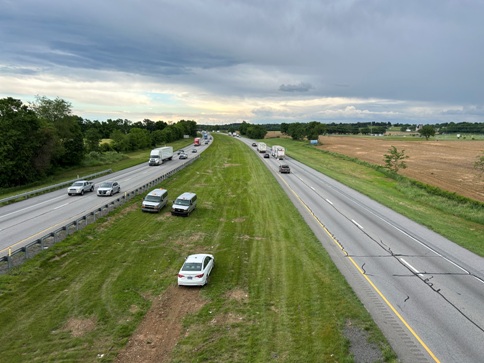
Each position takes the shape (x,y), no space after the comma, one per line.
(184,204)
(155,200)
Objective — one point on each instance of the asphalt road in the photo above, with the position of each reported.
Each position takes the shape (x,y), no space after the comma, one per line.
(28,220)
(425,292)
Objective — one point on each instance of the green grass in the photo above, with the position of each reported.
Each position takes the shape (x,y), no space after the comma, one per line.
(106,276)
(458,219)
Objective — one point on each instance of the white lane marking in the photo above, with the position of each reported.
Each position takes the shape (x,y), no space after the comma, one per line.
(355,222)
(32,206)
(411,267)
(313,188)
(330,202)
(62,205)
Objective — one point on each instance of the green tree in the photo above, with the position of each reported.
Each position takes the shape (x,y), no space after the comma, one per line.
(69,139)
(394,160)
(297,131)
(120,141)
(21,140)
(256,132)
(93,138)
(427,131)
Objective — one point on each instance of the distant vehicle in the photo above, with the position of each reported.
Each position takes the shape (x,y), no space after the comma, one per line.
(155,200)
(157,156)
(80,187)
(278,152)
(108,188)
(196,141)
(181,151)
(194,150)
(196,270)
(254,144)
(284,169)
(206,142)
(184,204)
(266,156)
(183,156)
(261,147)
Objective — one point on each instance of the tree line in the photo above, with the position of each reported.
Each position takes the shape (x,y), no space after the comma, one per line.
(41,137)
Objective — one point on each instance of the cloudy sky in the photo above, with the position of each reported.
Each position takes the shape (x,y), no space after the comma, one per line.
(262,61)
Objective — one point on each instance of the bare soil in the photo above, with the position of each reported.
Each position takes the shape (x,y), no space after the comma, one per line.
(161,328)
(448,165)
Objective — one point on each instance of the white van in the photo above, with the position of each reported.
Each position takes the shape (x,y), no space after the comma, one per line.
(155,200)
(184,204)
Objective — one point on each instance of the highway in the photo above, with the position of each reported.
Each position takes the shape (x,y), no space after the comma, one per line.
(425,292)
(28,220)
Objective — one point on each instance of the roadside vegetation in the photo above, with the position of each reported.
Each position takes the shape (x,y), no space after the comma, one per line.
(81,300)
(458,218)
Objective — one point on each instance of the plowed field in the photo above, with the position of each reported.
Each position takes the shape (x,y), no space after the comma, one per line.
(448,165)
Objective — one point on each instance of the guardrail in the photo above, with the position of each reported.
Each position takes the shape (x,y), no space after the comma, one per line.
(20,255)
(52,187)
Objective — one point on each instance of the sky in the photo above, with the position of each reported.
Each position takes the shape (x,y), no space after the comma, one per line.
(259,61)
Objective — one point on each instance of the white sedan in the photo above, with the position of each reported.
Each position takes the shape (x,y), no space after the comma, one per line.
(196,270)
(108,188)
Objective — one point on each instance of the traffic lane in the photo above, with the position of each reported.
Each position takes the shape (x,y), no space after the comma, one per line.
(369,254)
(46,213)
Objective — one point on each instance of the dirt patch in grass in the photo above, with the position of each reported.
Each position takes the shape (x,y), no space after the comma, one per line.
(161,328)
(448,165)
(78,327)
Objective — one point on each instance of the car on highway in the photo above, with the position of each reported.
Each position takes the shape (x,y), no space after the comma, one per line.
(194,150)
(108,188)
(181,151)
(183,156)
(254,144)
(284,169)
(196,270)
(266,156)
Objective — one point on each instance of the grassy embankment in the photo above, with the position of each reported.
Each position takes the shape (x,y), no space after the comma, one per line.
(105,277)
(456,218)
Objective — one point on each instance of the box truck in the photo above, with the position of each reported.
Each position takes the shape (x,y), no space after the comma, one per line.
(157,156)
(261,147)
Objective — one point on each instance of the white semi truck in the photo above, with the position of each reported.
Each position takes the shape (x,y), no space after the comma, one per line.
(157,156)
(278,152)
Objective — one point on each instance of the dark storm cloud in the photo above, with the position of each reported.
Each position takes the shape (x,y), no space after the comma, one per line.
(411,51)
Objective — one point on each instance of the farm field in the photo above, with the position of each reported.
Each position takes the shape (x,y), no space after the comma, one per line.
(448,165)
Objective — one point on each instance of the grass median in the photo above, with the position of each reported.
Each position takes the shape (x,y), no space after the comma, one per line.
(274,294)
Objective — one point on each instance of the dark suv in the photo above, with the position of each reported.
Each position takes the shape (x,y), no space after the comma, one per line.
(285,169)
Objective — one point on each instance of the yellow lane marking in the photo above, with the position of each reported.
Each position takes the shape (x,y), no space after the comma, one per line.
(427,349)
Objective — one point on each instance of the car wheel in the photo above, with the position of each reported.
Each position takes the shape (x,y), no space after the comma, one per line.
(82,192)
(111,193)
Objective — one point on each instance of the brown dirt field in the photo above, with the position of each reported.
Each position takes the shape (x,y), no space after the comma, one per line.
(448,165)
(161,328)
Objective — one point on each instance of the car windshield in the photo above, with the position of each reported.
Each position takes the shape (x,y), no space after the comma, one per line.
(155,156)
(192,266)
(106,185)
(152,198)
(182,202)
(78,184)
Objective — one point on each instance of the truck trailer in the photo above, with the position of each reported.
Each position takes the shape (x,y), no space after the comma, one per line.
(261,147)
(196,141)
(278,152)
(157,156)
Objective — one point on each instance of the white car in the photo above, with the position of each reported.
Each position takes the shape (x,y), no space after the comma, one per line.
(195,270)
(108,188)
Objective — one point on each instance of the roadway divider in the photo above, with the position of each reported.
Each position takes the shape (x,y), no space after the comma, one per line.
(18,256)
